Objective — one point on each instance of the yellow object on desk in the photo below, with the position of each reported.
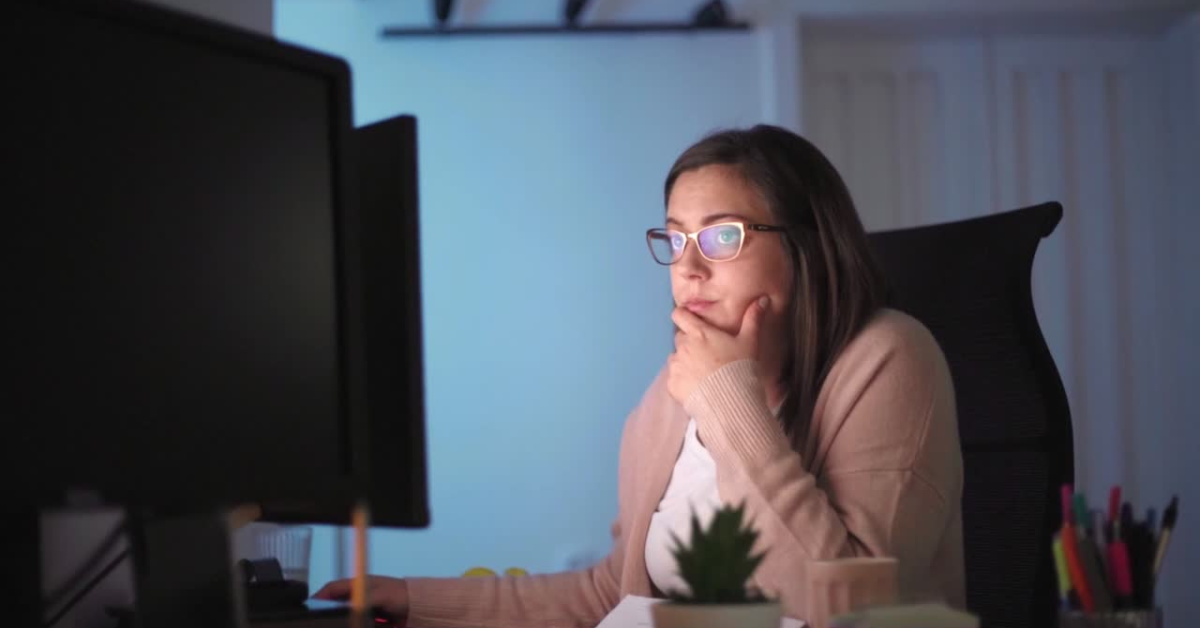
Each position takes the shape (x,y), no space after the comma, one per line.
(476,572)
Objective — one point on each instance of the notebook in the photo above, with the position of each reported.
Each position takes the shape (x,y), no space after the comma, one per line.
(634,612)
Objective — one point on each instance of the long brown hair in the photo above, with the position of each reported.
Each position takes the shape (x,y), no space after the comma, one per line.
(838,284)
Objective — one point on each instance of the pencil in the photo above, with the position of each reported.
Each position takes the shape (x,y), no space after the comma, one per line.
(358,586)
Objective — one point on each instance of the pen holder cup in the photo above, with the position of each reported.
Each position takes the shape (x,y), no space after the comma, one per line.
(1139,618)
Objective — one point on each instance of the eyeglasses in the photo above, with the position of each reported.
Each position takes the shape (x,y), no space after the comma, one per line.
(717,243)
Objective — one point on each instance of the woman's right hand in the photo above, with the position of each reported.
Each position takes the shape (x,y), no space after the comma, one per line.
(388,594)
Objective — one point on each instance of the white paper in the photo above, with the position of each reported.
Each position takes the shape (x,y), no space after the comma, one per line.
(634,612)
(788,622)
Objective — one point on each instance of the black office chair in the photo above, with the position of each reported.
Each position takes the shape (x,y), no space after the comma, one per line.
(969,283)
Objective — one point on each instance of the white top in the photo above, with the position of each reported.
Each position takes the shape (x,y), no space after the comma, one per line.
(693,485)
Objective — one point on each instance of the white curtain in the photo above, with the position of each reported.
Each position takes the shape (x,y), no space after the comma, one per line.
(932,127)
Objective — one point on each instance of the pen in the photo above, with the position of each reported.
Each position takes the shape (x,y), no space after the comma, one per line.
(1168,525)
(1114,510)
(1140,564)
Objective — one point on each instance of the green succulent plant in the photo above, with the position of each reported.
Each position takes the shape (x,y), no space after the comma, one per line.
(719,561)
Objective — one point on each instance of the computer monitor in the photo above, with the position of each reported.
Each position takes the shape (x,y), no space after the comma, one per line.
(397,481)
(186,303)
(386,163)
(185,231)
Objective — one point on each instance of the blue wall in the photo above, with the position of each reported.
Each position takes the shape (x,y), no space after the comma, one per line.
(542,160)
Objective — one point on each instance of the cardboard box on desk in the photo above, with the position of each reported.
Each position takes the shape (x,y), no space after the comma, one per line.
(933,615)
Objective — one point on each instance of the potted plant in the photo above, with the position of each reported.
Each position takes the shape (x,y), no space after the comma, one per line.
(716,567)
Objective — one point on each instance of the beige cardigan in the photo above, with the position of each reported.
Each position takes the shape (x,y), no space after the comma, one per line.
(880,475)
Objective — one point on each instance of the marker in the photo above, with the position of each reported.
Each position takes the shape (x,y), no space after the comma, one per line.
(1126,521)
(1122,579)
(1089,555)
(1070,547)
(1075,568)
(1079,502)
(1089,561)
(1060,569)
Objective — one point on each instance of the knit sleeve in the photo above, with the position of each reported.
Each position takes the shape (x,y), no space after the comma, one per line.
(577,598)
(891,470)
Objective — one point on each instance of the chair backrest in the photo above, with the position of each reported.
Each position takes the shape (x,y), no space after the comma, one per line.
(969,283)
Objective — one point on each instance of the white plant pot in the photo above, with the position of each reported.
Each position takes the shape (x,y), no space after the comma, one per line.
(676,615)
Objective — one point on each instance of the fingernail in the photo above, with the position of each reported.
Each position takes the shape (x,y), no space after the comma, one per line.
(763,301)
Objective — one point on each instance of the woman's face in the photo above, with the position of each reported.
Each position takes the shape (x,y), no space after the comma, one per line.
(720,292)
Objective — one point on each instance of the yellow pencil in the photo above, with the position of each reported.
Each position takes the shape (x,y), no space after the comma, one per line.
(358,586)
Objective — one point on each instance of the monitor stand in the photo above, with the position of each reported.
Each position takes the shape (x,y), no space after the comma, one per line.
(22,549)
(184,573)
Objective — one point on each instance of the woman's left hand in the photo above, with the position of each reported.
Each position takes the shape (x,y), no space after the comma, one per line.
(701,349)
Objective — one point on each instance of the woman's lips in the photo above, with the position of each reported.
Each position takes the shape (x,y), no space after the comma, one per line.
(698,306)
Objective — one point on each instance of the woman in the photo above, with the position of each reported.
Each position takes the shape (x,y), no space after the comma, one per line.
(791,388)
